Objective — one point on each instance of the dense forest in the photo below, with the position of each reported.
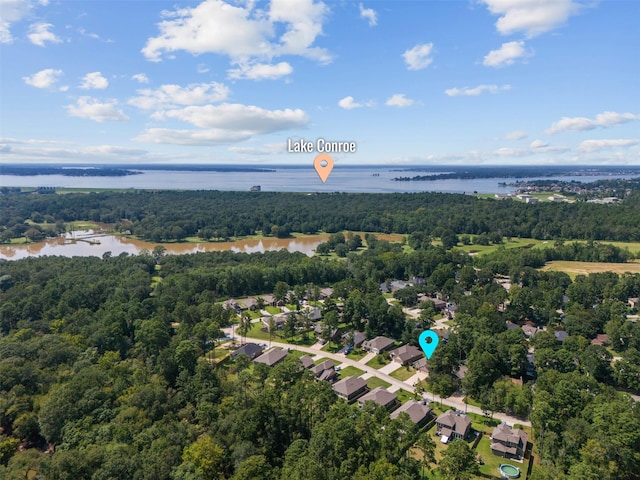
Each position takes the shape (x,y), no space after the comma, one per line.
(213,215)
(105,373)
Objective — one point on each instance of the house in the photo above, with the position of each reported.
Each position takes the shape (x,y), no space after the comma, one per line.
(511,325)
(272,357)
(326,292)
(419,412)
(231,304)
(421,365)
(406,354)
(634,302)
(557,198)
(532,200)
(307,361)
(415,281)
(350,388)
(249,304)
(462,372)
(314,313)
(251,350)
(529,330)
(600,339)
(561,335)
(437,303)
(452,425)
(321,367)
(381,396)
(353,338)
(334,334)
(278,321)
(378,344)
(508,442)
(269,300)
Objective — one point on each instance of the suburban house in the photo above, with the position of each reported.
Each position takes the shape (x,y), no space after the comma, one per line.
(326,292)
(251,350)
(600,339)
(419,412)
(378,344)
(334,334)
(381,396)
(272,357)
(231,304)
(406,354)
(529,330)
(508,442)
(421,365)
(324,371)
(634,302)
(249,304)
(307,361)
(350,388)
(452,425)
(438,304)
(353,338)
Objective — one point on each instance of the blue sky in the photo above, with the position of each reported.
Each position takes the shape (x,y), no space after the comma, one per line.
(420,83)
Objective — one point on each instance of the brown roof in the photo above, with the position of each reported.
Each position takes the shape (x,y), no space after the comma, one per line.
(407,353)
(600,339)
(321,367)
(380,343)
(349,385)
(505,434)
(417,411)
(307,361)
(499,447)
(379,395)
(272,357)
(458,423)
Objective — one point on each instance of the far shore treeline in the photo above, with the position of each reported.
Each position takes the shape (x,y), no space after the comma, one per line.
(161,216)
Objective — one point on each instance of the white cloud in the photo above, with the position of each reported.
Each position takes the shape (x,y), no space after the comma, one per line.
(418,57)
(11,11)
(39,34)
(202,68)
(604,119)
(261,71)
(348,103)
(516,135)
(399,100)
(44,78)
(369,14)
(239,118)
(242,32)
(93,109)
(140,78)
(507,54)
(536,144)
(170,96)
(223,124)
(94,80)
(533,17)
(475,91)
(606,144)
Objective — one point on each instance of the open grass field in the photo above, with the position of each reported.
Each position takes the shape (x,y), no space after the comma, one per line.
(584,268)
(513,243)
(403,373)
(375,382)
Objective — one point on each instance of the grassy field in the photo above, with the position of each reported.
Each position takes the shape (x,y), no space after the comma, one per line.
(378,362)
(375,382)
(272,310)
(403,373)
(513,243)
(584,268)
(350,372)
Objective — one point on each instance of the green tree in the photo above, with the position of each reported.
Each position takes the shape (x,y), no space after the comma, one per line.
(458,461)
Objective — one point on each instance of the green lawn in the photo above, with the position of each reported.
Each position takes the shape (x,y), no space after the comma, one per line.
(256,332)
(403,373)
(331,347)
(375,382)
(350,372)
(319,361)
(378,362)
(404,396)
(514,243)
(492,462)
(356,354)
(272,310)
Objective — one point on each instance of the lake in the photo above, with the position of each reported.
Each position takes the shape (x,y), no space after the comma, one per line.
(342,179)
(87,243)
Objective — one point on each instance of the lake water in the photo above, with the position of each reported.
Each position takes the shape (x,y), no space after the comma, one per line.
(86,243)
(342,179)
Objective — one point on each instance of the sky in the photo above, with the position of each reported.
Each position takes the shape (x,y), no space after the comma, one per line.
(467,82)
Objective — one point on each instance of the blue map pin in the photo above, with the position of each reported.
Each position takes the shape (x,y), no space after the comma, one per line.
(428,347)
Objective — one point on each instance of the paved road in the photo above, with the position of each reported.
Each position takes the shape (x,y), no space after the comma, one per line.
(452,401)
